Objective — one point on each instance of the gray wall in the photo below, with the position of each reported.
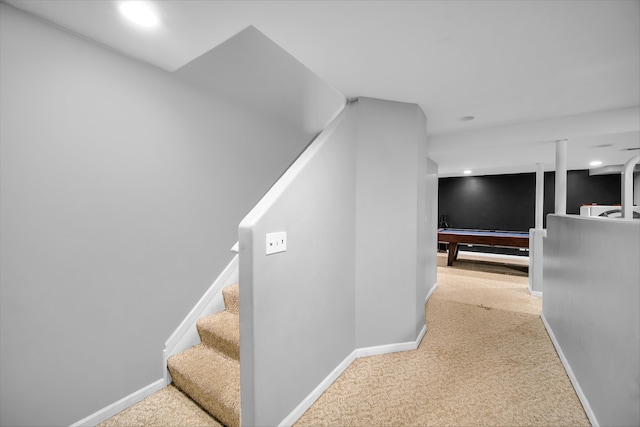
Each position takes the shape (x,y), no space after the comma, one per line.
(425,223)
(354,266)
(121,190)
(592,306)
(267,73)
(390,205)
(297,307)
(431,225)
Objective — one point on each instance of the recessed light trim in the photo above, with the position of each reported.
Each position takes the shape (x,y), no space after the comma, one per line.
(466,118)
(467,172)
(140,13)
(595,163)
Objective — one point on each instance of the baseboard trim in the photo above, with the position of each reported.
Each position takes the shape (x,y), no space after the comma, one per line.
(535,293)
(391,348)
(317,392)
(574,381)
(421,335)
(119,406)
(433,289)
(355,354)
(342,366)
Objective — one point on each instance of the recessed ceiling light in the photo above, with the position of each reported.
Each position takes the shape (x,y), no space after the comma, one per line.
(466,118)
(140,13)
(596,163)
(467,172)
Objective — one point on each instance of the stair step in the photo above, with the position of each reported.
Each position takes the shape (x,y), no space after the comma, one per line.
(222,332)
(231,295)
(211,379)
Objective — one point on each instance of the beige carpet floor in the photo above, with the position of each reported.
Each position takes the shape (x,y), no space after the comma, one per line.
(486,360)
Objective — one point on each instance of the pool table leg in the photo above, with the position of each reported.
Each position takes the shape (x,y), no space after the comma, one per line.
(453,253)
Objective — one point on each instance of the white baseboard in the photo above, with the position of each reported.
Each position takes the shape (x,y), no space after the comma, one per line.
(315,394)
(535,293)
(433,289)
(119,406)
(570,374)
(355,354)
(423,331)
(391,348)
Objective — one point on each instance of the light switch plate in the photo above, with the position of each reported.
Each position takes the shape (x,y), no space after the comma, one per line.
(276,242)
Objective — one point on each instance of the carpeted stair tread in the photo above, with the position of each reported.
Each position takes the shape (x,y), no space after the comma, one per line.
(211,379)
(222,332)
(231,295)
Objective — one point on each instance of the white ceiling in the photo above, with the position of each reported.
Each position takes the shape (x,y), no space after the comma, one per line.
(531,72)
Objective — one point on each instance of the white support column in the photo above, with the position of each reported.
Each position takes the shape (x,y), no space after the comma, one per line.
(627,187)
(561,177)
(539,196)
(636,189)
(536,237)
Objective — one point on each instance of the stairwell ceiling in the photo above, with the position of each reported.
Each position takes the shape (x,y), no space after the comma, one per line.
(530,72)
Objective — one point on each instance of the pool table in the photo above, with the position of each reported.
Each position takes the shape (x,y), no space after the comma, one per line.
(453,236)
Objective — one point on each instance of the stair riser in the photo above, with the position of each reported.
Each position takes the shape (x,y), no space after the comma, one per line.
(209,372)
(229,348)
(230,417)
(231,296)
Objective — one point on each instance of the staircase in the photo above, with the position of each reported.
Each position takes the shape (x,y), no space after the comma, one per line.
(209,373)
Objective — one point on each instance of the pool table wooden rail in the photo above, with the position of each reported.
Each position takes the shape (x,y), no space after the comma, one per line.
(480,237)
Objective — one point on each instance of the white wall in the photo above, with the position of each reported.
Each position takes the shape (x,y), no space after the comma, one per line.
(121,190)
(591,307)
(358,264)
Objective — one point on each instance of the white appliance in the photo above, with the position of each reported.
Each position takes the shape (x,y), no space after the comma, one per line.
(606,211)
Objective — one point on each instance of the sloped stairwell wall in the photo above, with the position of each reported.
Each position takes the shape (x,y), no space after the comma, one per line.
(122,186)
(355,273)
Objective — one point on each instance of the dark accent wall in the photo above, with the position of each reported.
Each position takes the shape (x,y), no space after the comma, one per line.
(507,202)
(492,202)
(583,189)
